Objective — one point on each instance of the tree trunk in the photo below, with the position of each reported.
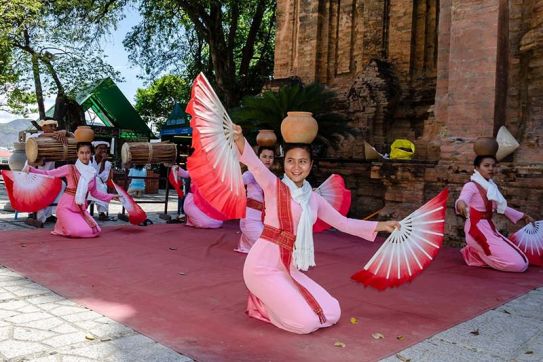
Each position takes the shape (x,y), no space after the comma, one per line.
(35,72)
(68,112)
(37,86)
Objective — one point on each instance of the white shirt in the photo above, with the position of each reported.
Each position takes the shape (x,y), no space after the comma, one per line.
(104,175)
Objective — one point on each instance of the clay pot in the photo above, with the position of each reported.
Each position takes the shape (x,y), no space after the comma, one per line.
(17,159)
(266,137)
(299,127)
(84,134)
(485,146)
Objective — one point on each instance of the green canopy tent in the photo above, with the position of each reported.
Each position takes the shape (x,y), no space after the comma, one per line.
(110,105)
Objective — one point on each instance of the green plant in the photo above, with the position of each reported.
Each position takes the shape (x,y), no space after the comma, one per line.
(267,111)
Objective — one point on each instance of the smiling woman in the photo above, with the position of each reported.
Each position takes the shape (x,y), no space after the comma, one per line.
(279,292)
(479,199)
(298,162)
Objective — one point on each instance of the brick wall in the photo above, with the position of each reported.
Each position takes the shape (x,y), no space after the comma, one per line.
(441,73)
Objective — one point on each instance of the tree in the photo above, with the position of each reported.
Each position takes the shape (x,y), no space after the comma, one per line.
(267,111)
(53,47)
(155,102)
(233,38)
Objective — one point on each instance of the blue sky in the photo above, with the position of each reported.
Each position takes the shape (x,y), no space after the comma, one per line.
(117,57)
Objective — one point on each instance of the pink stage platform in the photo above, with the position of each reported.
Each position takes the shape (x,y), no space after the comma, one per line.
(183,287)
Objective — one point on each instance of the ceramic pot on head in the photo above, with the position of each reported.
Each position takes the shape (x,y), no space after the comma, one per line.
(299,127)
(485,146)
(84,134)
(266,137)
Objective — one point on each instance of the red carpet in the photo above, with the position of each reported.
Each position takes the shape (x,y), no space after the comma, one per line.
(183,287)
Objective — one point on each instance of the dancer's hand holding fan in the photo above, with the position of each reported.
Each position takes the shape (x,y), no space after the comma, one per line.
(334,191)
(31,192)
(214,165)
(529,239)
(409,250)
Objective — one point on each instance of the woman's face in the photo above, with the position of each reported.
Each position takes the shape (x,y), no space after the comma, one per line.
(84,154)
(297,165)
(487,168)
(267,157)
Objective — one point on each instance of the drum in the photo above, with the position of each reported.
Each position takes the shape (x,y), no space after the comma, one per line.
(49,149)
(142,153)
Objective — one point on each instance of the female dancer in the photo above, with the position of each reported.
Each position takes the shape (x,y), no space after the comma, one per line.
(73,219)
(477,202)
(252,225)
(198,212)
(279,292)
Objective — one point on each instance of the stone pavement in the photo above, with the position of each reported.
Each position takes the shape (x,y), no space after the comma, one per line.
(39,325)
(512,332)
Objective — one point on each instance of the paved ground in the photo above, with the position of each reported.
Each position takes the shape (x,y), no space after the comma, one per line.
(39,325)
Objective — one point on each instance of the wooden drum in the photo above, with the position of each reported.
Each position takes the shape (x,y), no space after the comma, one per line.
(142,153)
(49,149)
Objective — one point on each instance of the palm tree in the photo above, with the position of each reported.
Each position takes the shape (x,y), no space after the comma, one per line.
(267,111)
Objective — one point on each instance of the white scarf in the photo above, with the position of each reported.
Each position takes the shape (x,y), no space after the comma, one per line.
(304,254)
(87,174)
(492,192)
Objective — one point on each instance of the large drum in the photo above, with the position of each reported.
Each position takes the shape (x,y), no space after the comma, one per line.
(142,153)
(40,149)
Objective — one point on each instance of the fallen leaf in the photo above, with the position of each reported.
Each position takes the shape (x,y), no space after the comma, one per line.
(377,335)
(402,358)
(400,338)
(90,337)
(340,344)
(475,332)
(354,320)
(529,352)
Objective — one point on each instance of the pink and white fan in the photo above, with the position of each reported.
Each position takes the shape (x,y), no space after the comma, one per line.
(334,191)
(176,182)
(529,239)
(408,251)
(214,165)
(136,215)
(31,192)
(204,206)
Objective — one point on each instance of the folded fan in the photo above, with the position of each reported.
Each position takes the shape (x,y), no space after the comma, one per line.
(136,215)
(31,192)
(529,239)
(176,183)
(408,251)
(214,165)
(334,191)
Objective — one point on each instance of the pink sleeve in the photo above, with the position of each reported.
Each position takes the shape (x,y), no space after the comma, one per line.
(183,173)
(466,195)
(99,194)
(513,215)
(264,177)
(361,228)
(56,172)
